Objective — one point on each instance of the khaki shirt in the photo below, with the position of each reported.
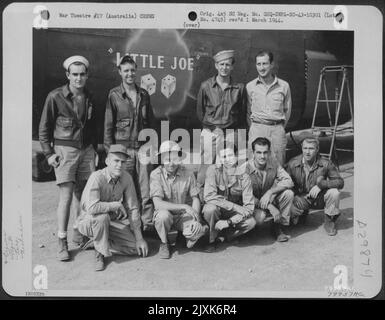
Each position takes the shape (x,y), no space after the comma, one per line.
(101,190)
(217,108)
(268,104)
(225,190)
(274,175)
(179,189)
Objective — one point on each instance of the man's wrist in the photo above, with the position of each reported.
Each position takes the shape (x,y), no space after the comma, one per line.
(138,234)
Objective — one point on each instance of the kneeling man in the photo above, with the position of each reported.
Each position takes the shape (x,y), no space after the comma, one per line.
(316,184)
(229,198)
(175,195)
(271,188)
(109,205)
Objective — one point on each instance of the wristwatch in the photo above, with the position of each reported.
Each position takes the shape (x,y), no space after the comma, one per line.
(230,222)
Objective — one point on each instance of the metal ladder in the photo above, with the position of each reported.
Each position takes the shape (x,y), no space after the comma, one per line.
(333,128)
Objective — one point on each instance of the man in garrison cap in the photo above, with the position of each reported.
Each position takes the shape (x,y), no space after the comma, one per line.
(110,212)
(67,134)
(221,105)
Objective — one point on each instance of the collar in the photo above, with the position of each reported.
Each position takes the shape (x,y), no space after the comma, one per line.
(108,176)
(275,81)
(178,172)
(253,168)
(317,162)
(232,84)
(239,170)
(67,92)
(122,91)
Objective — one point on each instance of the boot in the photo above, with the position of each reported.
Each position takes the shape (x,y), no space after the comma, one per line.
(77,238)
(303,217)
(99,261)
(63,254)
(164,251)
(210,247)
(192,242)
(329,225)
(279,232)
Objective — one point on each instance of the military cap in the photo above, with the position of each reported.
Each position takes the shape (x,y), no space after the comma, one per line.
(223,55)
(118,148)
(67,62)
(170,146)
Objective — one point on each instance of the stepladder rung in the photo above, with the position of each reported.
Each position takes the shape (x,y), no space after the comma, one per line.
(339,128)
(344,150)
(325,155)
(316,128)
(324,100)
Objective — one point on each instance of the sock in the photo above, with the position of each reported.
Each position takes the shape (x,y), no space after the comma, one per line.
(62,234)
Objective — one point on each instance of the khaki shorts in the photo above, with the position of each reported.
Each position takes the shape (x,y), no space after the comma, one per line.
(75,164)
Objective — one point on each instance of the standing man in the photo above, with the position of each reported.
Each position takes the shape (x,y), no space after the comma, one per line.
(316,184)
(221,105)
(229,199)
(128,111)
(271,188)
(110,213)
(68,122)
(174,192)
(268,106)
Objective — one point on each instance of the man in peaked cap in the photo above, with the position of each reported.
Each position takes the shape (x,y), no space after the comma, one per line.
(221,105)
(128,111)
(174,192)
(110,212)
(68,133)
(316,184)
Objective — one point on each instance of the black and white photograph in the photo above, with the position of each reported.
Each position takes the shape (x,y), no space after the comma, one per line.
(174,159)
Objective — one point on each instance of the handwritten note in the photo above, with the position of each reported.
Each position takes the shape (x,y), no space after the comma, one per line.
(13,245)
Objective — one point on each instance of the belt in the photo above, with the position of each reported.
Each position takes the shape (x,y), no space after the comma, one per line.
(212,128)
(271,123)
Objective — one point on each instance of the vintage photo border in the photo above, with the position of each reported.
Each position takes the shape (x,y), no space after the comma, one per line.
(16,214)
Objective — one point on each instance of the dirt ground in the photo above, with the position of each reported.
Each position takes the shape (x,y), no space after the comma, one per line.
(254,263)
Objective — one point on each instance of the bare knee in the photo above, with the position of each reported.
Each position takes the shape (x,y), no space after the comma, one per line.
(65,192)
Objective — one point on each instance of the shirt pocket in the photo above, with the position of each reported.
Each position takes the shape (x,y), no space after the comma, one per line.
(236,190)
(210,111)
(123,128)
(277,101)
(64,128)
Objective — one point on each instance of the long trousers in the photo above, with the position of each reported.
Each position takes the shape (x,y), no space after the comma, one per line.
(283,202)
(108,237)
(140,173)
(213,213)
(328,199)
(164,221)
